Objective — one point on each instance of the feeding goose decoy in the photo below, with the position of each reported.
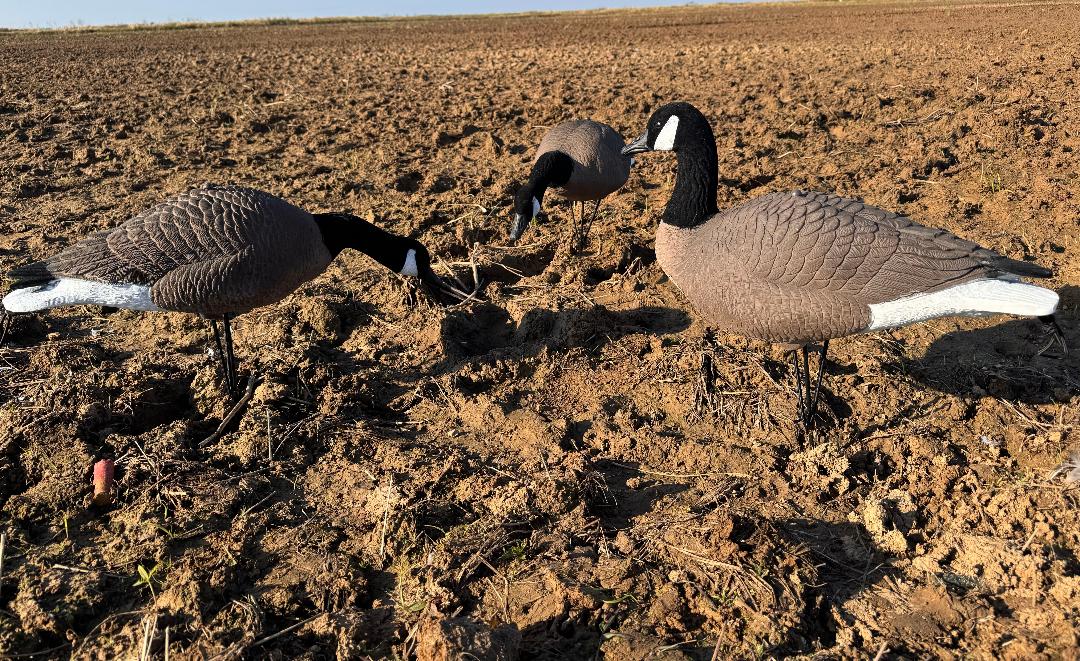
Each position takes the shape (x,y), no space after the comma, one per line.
(216,251)
(582,159)
(797,268)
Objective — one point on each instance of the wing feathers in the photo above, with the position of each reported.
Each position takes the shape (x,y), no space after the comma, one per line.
(817,241)
(188,228)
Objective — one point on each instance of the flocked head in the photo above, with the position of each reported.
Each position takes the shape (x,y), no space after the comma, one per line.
(670,127)
(681,128)
(526,207)
(417,264)
(552,168)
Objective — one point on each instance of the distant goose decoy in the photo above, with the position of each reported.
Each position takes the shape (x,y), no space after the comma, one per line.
(216,251)
(582,159)
(797,268)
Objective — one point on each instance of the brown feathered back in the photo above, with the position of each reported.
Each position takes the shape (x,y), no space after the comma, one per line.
(599,168)
(797,267)
(213,251)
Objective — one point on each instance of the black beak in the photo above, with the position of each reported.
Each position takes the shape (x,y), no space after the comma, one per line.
(441,291)
(637,146)
(519,226)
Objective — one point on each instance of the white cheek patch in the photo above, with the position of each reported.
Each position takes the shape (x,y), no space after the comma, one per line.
(536,207)
(666,140)
(410,264)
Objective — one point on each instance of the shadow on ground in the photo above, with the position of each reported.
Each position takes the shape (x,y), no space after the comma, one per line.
(1001,360)
(486,328)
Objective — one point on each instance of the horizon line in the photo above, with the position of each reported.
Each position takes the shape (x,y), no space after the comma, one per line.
(315,20)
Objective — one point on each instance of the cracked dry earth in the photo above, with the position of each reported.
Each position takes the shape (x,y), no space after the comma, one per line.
(543,474)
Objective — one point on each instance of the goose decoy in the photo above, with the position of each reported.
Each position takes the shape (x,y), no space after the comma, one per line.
(581,158)
(216,251)
(797,268)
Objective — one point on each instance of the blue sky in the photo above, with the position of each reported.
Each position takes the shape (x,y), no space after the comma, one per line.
(64,13)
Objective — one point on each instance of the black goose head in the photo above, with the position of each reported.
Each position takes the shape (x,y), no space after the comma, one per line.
(681,128)
(671,127)
(526,207)
(552,169)
(410,257)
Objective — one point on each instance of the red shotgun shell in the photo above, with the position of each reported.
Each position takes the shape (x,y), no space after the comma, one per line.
(103,482)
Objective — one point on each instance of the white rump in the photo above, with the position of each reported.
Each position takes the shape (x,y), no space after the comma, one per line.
(971,299)
(72,291)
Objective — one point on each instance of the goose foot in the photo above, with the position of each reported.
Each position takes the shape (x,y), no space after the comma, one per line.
(1053,329)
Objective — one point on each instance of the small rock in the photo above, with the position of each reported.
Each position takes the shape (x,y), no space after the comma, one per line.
(493,144)
(622,543)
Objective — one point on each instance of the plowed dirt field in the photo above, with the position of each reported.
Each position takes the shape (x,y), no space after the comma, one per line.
(542,474)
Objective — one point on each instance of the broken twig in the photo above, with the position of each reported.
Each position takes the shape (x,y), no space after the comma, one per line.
(253,382)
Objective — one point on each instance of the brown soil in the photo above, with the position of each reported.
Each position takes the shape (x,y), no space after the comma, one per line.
(542,474)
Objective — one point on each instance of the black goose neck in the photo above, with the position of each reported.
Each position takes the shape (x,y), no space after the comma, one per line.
(344,230)
(553,168)
(694,199)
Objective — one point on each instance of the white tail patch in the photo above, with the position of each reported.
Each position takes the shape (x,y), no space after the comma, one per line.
(72,291)
(971,299)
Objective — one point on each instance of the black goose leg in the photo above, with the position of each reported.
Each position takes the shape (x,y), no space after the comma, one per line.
(574,223)
(577,217)
(230,359)
(808,413)
(5,325)
(817,387)
(217,345)
(586,225)
(798,383)
(808,391)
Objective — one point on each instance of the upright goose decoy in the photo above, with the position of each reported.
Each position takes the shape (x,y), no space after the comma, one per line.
(216,251)
(797,268)
(582,159)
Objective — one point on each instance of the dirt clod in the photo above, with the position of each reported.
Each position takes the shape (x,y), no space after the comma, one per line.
(451,639)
